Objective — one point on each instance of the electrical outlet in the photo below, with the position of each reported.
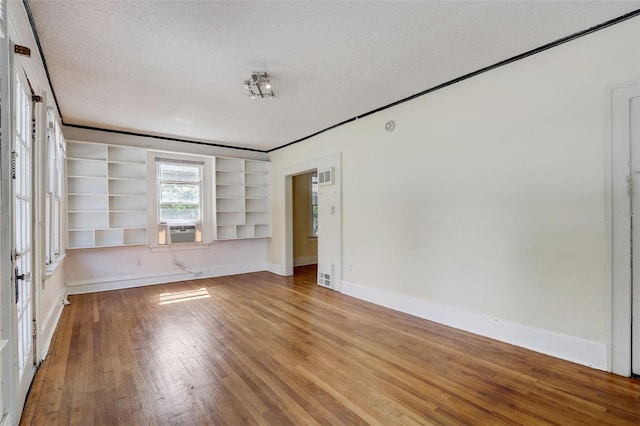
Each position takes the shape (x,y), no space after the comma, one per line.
(350,266)
(138,262)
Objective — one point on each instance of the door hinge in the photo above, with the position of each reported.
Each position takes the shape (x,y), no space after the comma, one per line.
(14,155)
(35,329)
(22,50)
(629,186)
(36,98)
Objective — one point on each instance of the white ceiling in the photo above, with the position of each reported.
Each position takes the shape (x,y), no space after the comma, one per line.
(175,68)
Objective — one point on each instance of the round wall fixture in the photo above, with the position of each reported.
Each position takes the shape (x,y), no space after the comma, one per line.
(390,126)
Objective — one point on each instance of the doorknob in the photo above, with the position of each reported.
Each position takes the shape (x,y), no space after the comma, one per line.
(18,277)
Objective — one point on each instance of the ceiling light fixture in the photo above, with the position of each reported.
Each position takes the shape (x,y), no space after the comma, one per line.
(259,86)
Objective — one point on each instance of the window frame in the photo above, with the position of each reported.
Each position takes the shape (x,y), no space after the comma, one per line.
(199,184)
(206,221)
(53,190)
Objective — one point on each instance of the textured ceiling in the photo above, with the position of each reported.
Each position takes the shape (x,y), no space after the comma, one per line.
(175,68)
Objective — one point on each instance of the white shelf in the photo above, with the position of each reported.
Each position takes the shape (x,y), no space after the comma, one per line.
(255,192)
(242,199)
(87,151)
(125,154)
(106,195)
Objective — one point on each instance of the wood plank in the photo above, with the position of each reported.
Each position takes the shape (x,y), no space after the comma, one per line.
(264,349)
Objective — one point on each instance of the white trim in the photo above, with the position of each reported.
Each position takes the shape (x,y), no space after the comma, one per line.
(329,248)
(131,281)
(48,327)
(51,268)
(180,247)
(619,227)
(570,348)
(276,269)
(305,260)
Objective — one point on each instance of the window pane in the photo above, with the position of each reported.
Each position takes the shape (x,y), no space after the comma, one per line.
(179,202)
(179,172)
(178,212)
(180,187)
(179,193)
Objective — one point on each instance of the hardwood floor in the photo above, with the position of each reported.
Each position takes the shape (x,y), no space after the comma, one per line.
(263,349)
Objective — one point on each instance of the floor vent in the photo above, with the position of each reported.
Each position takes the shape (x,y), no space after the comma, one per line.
(325,274)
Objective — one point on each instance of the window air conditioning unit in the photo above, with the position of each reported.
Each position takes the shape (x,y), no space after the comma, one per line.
(179,233)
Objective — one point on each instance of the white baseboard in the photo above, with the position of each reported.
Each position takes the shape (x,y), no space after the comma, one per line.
(117,283)
(305,260)
(570,348)
(275,269)
(48,327)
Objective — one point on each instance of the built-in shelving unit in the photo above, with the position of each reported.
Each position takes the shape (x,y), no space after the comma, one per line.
(242,199)
(106,203)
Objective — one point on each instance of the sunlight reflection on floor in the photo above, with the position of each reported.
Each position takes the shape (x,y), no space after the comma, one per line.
(183,296)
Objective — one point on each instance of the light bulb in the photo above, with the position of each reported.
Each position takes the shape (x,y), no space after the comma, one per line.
(267,85)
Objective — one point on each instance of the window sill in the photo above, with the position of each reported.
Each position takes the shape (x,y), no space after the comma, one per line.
(179,247)
(51,268)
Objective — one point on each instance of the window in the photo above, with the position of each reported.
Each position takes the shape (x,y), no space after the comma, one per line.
(179,191)
(314,204)
(53,188)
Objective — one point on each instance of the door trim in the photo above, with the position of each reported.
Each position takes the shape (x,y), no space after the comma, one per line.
(7,293)
(618,227)
(329,249)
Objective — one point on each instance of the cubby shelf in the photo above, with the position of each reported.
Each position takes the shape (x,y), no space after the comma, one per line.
(242,199)
(106,195)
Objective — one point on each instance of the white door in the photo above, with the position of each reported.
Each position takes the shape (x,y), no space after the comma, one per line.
(22,232)
(634,129)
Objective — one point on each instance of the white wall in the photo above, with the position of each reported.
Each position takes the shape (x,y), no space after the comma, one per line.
(487,201)
(116,267)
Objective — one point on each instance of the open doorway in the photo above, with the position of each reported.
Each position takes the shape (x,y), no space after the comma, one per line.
(329,211)
(305,223)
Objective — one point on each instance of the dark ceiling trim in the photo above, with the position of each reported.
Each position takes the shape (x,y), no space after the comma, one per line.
(475,73)
(164,138)
(424,92)
(44,61)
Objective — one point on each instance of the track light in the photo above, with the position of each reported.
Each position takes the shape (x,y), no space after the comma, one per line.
(259,86)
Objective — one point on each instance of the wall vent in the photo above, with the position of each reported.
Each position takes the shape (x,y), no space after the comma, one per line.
(325,274)
(325,176)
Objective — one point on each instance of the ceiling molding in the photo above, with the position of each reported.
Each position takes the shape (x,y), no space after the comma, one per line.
(510,60)
(164,138)
(475,73)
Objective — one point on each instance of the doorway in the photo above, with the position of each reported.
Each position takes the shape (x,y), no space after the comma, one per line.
(329,218)
(305,221)
(623,194)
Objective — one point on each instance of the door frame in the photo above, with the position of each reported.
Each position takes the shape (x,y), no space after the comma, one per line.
(20,66)
(329,248)
(7,293)
(618,226)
